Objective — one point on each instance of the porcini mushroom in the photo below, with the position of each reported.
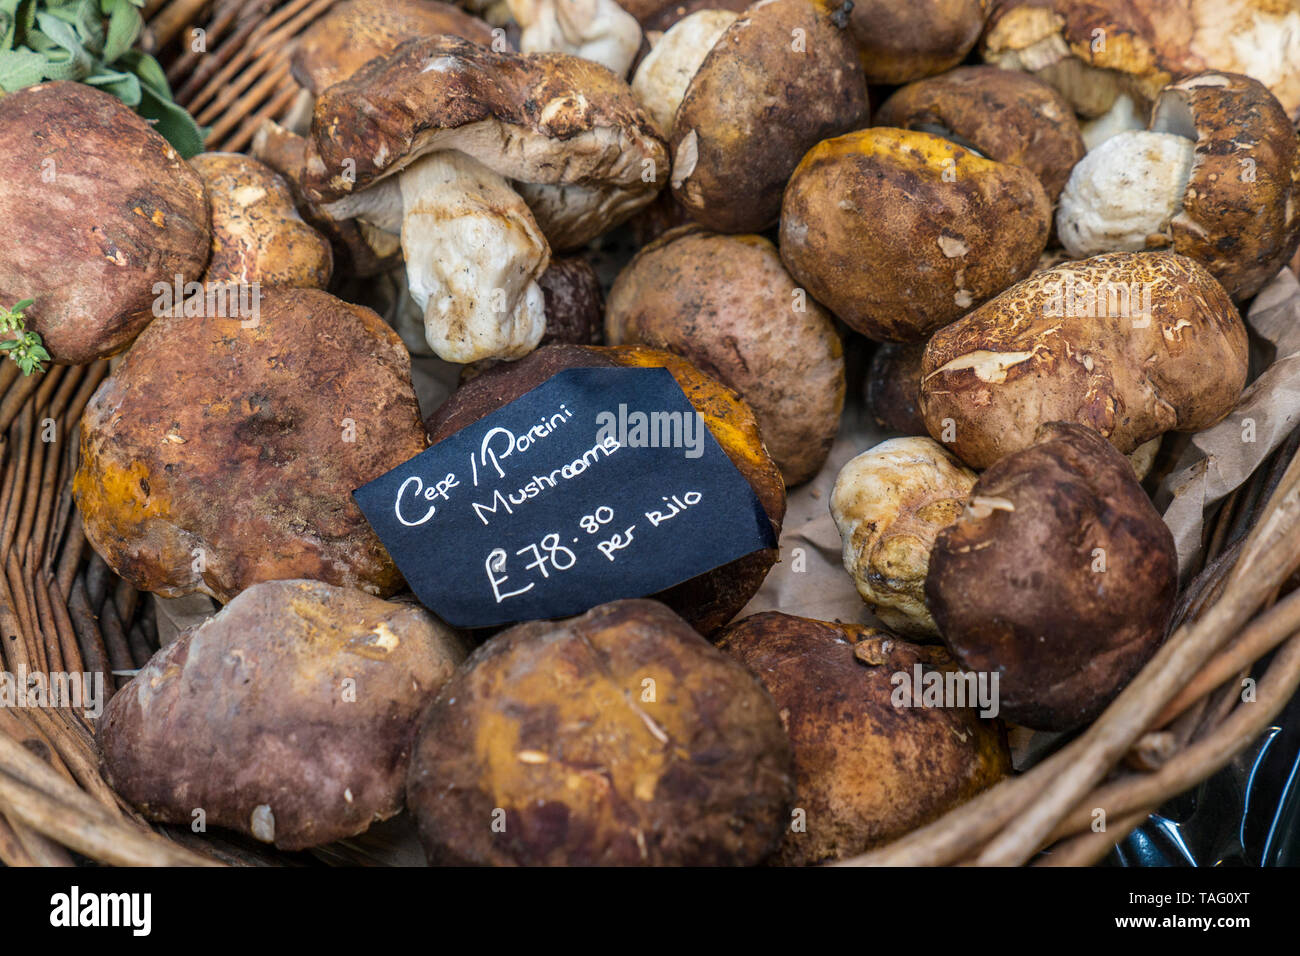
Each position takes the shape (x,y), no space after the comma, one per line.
(223,451)
(98,209)
(779,79)
(1131,344)
(257,234)
(901,42)
(889,503)
(1216,178)
(728,305)
(899,232)
(597,30)
(1006,116)
(1065,587)
(444,142)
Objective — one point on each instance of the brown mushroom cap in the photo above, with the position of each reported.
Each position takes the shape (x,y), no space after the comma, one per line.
(1040,353)
(257,234)
(709,600)
(246,716)
(1007,116)
(904,41)
(565,130)
(727,304)
(353,33)
(662,14)
(756,105)
(865,770)
(894,388)
(217,456)
(1064,587)
(575,304)
(899,233)
(97,208)
(620,737)
(1240,215)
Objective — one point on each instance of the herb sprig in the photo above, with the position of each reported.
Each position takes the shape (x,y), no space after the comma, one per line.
(90,41)
(24,347)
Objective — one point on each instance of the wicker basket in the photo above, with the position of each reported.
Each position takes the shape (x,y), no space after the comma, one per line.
(62,609)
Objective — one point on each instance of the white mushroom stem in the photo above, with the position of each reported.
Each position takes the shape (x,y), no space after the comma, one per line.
(473,254)
(663,76)
(1123,116)
(598,30)
(1122,195)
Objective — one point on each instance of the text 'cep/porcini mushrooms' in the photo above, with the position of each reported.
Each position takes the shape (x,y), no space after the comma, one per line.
(1003,115)
(1063,583)
(257,234)
(727,304)
(596,30)
(866,769)
(710,600)
(904,41)
(353,33)
(223,451)
(779,79)
(97,209)
(899,233)
(482,161)
(1130,344)
(1216,178)
(889,504)
(191,729)
(700,776)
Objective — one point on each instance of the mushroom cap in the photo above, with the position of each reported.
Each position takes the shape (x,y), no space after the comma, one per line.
(353,33)
(193,728)
(1240,213)
(728,304)
(889,503)
(709,600)
(1007,116)
(1131,344)
(565,130)
(575,304)
(866,771)
(97,208)
(1066,589)
(904,41)
(552,725)
(241,446)
(894,387)
(257,234)
(665,73)
(899,233)
(756,106)
(1090,50)
(660,15)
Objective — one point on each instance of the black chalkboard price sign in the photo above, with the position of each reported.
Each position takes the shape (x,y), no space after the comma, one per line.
(599,484)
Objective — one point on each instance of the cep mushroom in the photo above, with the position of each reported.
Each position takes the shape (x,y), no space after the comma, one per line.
(288,715)
(596,30)
(1099,53)
(1006,116)
(1131,344)
(904,41)
(889,504)
(899,232)
(866,769)
(482,162)
(223,451)
(620,737)
(728,305)
(98,210)
(1060,576)
(257,234)
(1216,178)
(742,99)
